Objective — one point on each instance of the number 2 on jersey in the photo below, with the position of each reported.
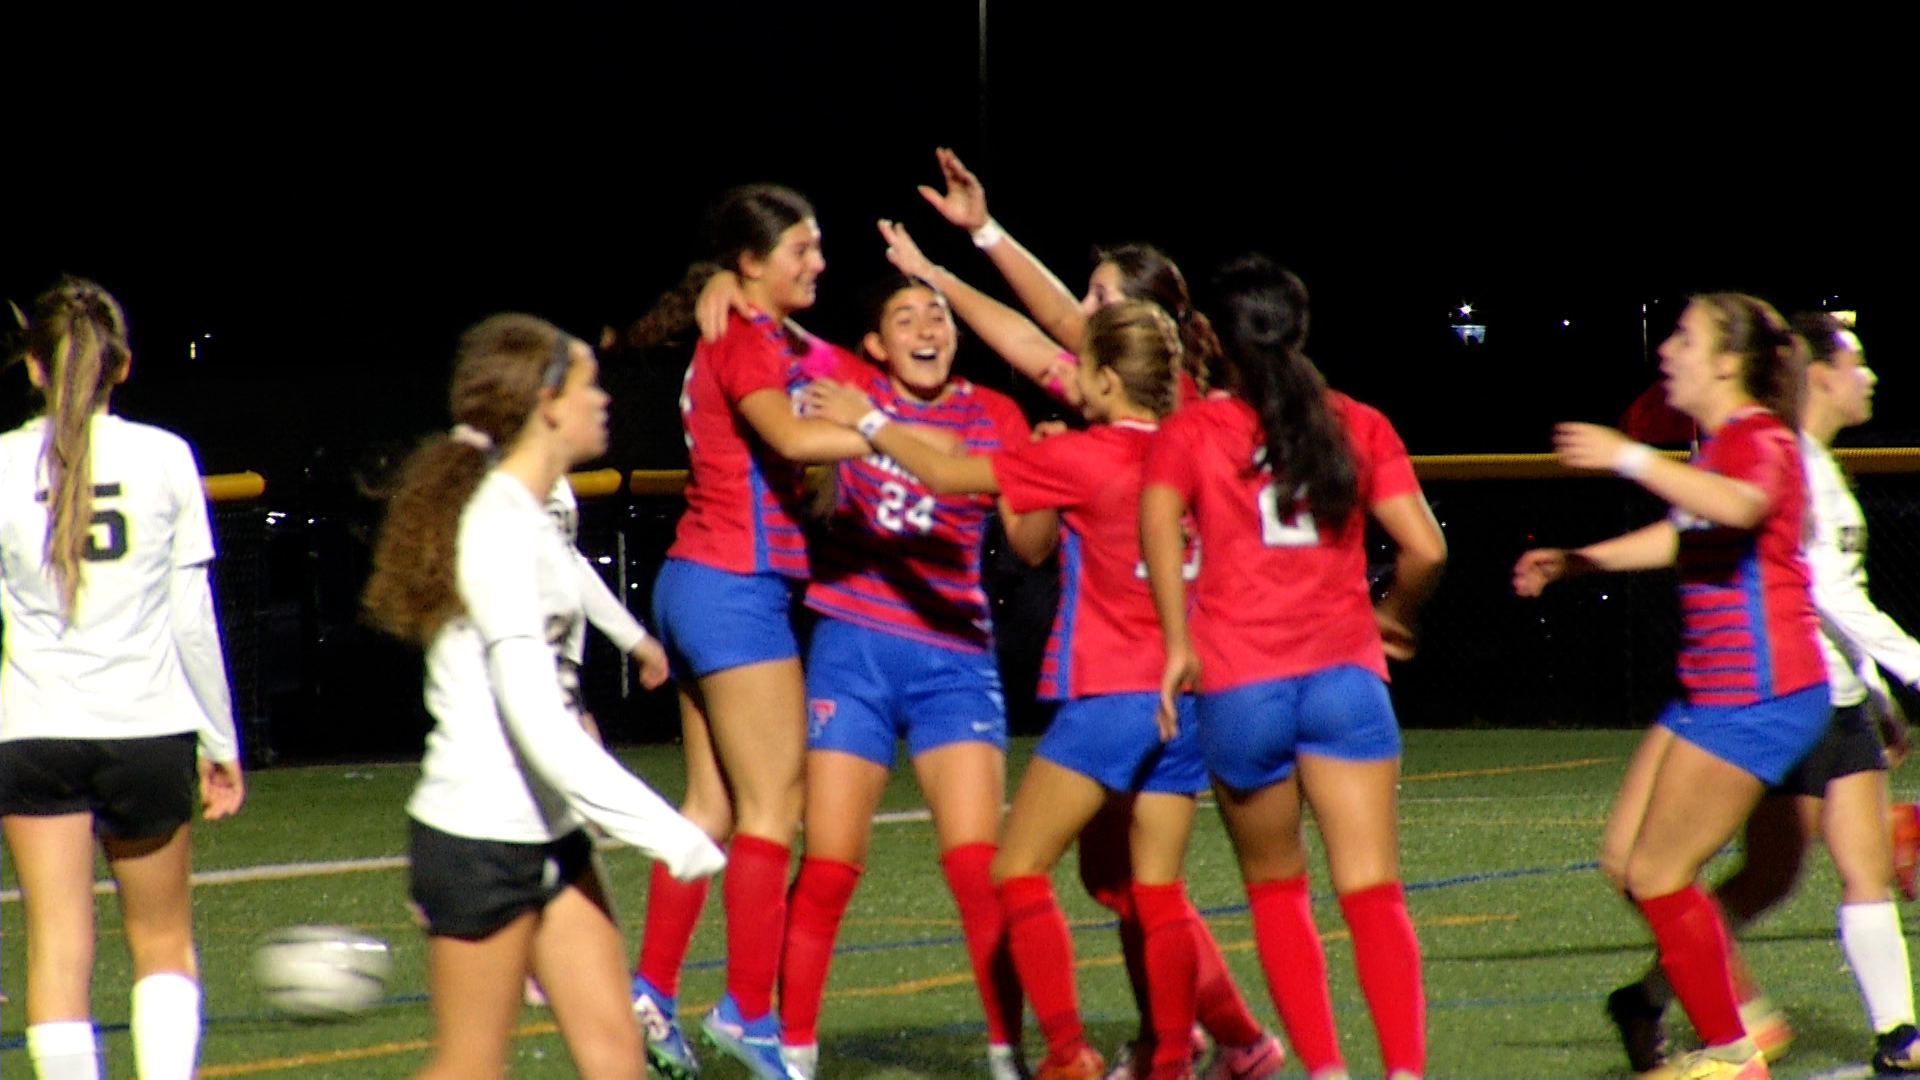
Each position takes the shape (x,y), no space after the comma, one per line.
(1275,532)
(894,515)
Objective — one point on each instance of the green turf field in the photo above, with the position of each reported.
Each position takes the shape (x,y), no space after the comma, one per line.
(1521,937)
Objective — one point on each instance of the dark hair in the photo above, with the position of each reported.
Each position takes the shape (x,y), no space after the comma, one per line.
(499,370)
(78,336)
(881,293)
(1775,370)
(747,220)
(1147,274)
(1263,311)
(1822,333)
(1137,339)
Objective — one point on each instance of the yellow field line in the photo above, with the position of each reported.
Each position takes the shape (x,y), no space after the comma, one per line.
(898,989)
(1510,770)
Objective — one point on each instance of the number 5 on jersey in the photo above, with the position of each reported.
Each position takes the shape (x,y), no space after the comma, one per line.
(106,529)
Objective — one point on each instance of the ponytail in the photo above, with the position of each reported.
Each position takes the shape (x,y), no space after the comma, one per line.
(1775,357)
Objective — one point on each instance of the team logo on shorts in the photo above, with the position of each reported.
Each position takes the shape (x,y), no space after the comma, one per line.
(819,711)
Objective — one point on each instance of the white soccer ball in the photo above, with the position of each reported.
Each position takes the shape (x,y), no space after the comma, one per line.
(322,972)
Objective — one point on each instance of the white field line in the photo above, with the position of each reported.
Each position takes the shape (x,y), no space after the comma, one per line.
(286,871)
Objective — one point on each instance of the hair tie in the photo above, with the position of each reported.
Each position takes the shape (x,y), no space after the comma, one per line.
(472,436)
(555,373)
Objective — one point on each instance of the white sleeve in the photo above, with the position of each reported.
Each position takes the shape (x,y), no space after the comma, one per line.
(192,524)
(196,634)
(604,610)
(503,603)
(1848,614)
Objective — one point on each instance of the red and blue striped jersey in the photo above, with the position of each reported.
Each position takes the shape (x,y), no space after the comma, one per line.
(897,558)
(742,498)
(1748,628)
(1106,635)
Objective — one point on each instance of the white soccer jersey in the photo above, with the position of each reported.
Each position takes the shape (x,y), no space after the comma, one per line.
(115,671)
(605,611)
(507,758)
(1853,632)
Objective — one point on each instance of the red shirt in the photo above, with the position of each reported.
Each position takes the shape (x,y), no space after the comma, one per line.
(1106,637)
(1748,628)
(742,498)
(1279,594)
(898,558)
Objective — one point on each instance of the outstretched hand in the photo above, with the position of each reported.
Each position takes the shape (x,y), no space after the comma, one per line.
(964,203)
(903,253)
(1588,446)
(834,401)
(1538,569)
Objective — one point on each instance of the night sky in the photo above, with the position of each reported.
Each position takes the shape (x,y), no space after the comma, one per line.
(333,195)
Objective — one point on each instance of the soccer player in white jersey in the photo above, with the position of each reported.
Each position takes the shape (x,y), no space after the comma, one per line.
(1839,792)
(470,564)
(112,677)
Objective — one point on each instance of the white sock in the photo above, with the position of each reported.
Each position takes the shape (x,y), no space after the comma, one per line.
(64,1050)
(166,1026)
(1877,951)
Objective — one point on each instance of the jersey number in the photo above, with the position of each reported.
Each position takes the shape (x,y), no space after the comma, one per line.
(894,515)
(106,529)
(1275,532)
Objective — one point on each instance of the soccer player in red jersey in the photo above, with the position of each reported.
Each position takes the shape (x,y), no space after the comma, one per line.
(721,605)
(904,650)
(1756,694)
(1104,740)
(1286,649)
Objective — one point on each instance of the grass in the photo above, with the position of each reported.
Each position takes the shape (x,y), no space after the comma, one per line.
(1521,938)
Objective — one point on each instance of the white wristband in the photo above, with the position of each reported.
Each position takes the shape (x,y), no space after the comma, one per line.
(870,424)
(988,235)
(1631,460)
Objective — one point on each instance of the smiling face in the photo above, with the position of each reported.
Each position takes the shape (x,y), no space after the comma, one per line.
(578,410)
(915,340)
(783,281)
(1695,364)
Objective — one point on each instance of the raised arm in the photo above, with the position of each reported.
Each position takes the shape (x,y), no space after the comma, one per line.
(1045,296)
(1021,343)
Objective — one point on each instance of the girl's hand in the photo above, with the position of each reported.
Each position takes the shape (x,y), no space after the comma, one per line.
(903,253)
(965,201)
(1181,674)
(222,789)
(1538,569)
(1588,446)
(835,402)
(1395,636)
(720,295)
(653,663)
(1047,429)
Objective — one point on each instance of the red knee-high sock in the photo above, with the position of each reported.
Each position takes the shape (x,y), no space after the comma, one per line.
(1693,953)
(985,927)
(755,891)
(1167,923)
(1217,1001)
(1106,871)
(1043,953)
(814,905)
(1387,957)
(673,910)
(1296,968)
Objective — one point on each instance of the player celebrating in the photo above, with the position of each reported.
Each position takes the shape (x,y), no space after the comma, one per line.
(1755,689)
(470,564)
(112,675)
(1286,649)
(1840,790)
(904,650)
(720,603)
(1104,738)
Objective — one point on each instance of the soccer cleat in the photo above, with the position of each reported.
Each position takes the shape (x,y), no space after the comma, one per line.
(1085,1065)
(1897,1052)
(667,1048)
(753,1043)
(1641,1034)
(1256,1062)
(802,1061)
(1904,820)
(1134,1059)
(1003,1063)
(1767,1027)
(1700,1065)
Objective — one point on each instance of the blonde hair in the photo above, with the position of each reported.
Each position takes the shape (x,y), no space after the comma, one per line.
(1140,342)
(78,339)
